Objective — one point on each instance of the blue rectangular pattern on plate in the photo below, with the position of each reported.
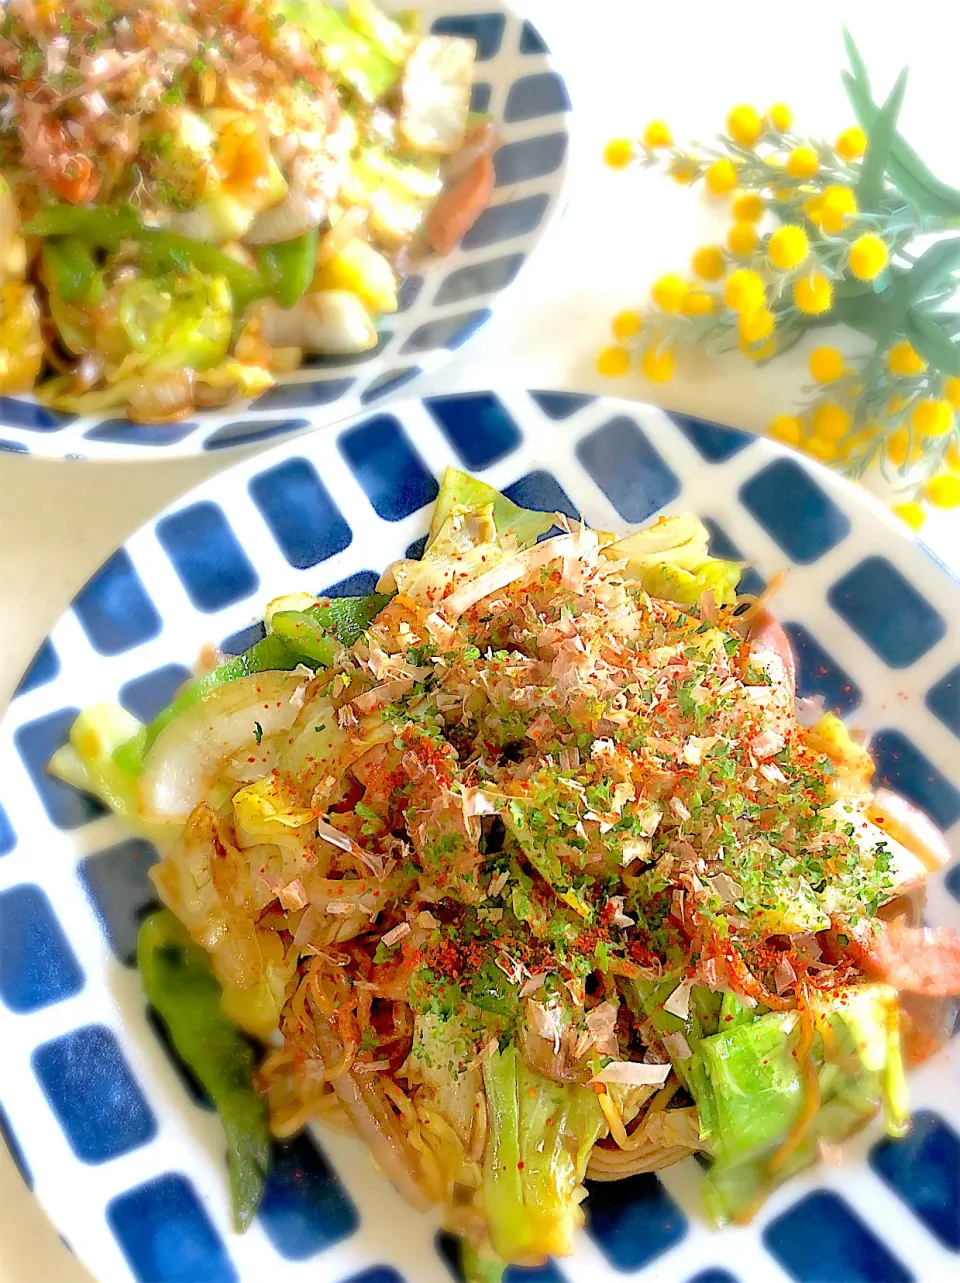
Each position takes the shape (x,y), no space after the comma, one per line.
(923,1170)
(36,743)
(117,883)
(448,332)
(541,491)
(166,1235)
(360,584)
(8,838)
(145,696)
(902,766)
(388,468)
(294,396)
(561,405)
(885,610)
(248,431)
(634,1221)
(302,517)
(477,426)
(712,1276)
(390,381)
(794,511)
(504,222)
(529,158)
(716,444)
(485,28)
(114,609)
(479,278)
(449,1251)
(207,556)
(628,469)
(378,1274)
(820,1240)
(43,668)
(94,1095)
(305,1208)
(9,1138)
(721,545)
(818,673)
(543,94)
(37,965)
(943,700)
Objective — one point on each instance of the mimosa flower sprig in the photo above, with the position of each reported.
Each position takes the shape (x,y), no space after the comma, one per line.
(823,234)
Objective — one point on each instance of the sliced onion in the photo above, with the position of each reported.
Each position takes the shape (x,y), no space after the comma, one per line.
(187,756)
(633,1073)
(329,322)
(480,141)
(347,227)
(164,398)
(291,218)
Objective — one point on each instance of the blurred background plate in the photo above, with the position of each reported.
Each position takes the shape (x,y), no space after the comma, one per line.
(441,306)
(126,1161)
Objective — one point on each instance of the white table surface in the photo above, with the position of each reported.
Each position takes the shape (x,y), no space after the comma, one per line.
(626,61)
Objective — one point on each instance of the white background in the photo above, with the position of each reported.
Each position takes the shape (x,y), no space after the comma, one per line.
(625,61)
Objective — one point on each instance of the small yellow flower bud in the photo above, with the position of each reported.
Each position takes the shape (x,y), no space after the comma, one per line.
(756,326)
(868,257)
(619,152)
(780,117)
(851,144)
(803,162)
(742,239)
(831,422)
(669,292)
(951,457)
(698,303)
(613,362)
(744,291)
(786,428)
(788,247)
(951,390)
(749,207)
(837,206)
(657,364)
(943,491)
(626,324)
(911,513)
(902,359)
(657,134)
(932,418)
(721,177)
(822,448)
(708,263)
(826,364)
(813,294)
(898,445)
(744,125)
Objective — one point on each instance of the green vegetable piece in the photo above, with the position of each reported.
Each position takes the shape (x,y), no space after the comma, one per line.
(349,58)
(161,251)
(541,1134)
(348,617)
(477,1268)
(303,633)
(879,145)
(382,32)
(288,268)
(750,1090)
(733,1012)
(268,653)
(182,990)
(71,270)
(178,321)
(458,489)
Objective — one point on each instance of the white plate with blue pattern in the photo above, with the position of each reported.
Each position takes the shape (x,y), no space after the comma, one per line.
(442,305)
(123,1156)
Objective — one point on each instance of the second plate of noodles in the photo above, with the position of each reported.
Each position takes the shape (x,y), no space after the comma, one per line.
(529,868)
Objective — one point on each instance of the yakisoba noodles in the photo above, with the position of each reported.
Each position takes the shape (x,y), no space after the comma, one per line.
(530,868)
